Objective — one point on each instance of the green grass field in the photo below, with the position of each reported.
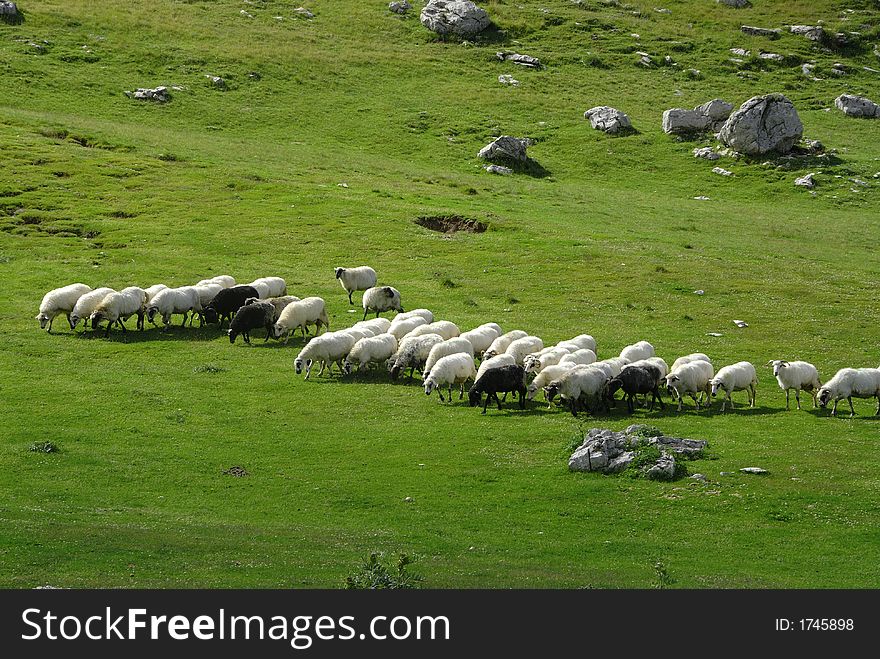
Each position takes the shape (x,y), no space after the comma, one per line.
(103,189)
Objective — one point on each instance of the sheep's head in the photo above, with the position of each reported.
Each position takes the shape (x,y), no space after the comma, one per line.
(232,335)
(211,315)
(612,386)
(395,371)
(474,397)
(44,320)
(299,363)
(671,381)
(779,365)
(824,397)
(430,385)
(277,331)
(96,319)
(338,272)
(151,314)
(551,391)
(346,366)
(531,363)
(74,321)
(531,391)
(489,354)
(715,384)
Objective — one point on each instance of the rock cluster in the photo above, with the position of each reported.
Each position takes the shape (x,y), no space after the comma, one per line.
(158,94)
(708,116)
(522,60)
(399,7)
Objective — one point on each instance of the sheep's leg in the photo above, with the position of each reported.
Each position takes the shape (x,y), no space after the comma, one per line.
(268,332)
(449,396)
(787,392)
(377,314)
(183,324)
(246,337)
(349,298)
(877,413)
(754,396)
(365,314)
(51,320)
(852,411)
(107,331)
(308,370)
(522,398)
(679,403)
(486,403)
(797,396)
(440,393)
(834,408)
(323,364)
(696,402)
(461,393)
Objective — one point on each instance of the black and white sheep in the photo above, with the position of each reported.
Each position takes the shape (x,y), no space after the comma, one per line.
(356,279)
(250,317)
(579,387)
(412,353)
(504,379)
(278,303)
(636,380)
(60,301)
(796,375)
(370,350)
(849,382)
(381,299)
(227,302)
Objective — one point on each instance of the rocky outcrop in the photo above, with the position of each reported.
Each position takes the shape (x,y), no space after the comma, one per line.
(505,149)
(460,18)
(705,117)
(608,120)
(763,124)
(770,33)
(857,106)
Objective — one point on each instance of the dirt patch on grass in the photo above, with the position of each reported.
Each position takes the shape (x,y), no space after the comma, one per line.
(451,224)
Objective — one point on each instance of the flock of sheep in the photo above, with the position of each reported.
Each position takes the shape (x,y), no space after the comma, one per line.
(512,362)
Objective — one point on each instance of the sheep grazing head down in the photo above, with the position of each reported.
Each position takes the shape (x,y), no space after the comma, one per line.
(299,364)
(44,320)
(232,334)
(551,391)
(429,387)
(210,315)
(824,397)
(474,397)
(612,386)
(715,386)
(96,319)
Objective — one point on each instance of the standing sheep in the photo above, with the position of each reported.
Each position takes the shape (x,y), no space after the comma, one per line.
(300,314)
(59,301)
(635,380)
(797,376)
(170,301)
(499,345)
(691,378)
(448,347)
(371,350)
(524,346)
(378,325)
(227,302)
(849,382)
(278,303)
(381,298)
(356,279)
(578,386)
(152,290)
(545,377)
(736,377)
(223,280)
(251,317)
(581,341)
(412,352)
(450,370)
(493,381)
(119,307)
(87,304)
(328,348)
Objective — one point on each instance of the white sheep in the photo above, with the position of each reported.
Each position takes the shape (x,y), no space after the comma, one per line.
(657,362)
(60,301)
(454,369)
(278,303)
(152,290)
(546,376)
(522,347)
(412,352)
(582,341)
(300,314)
(381,299)
(328,348)
(637,351)
(538,361)
(370,350)
(223,280)
(444,328)
(582,356)
(380,325)
(615,364)
(449,347)
(206,292)
(170,301)
(119,307)
(691,378)
(798,376)
(86,304)
(495,362)
(578,386)
(500,345)
(849,382)
(356,279)
(735,377)
(401,328)
(427,314)
(481,337)
(358,333)
(687,359)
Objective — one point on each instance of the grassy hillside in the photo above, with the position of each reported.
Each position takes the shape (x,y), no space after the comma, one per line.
(100,188)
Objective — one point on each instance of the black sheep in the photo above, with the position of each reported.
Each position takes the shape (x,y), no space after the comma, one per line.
(251,317)
(227,302)
(636,380)
(502,379)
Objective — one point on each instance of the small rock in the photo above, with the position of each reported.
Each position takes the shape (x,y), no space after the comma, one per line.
(702,198)
(408,499)
(857,106)
(217,81)
(721,171)
(754,470)
(507,79)
(608,119)
(505,148)
(245,14)
(663,469)
(694,73)
(811,32)
(740,323)
(522,60)
(499,169)
(159,94)
(753,31)
(727,473)
(399,7)
(806,181)
(662,10)
(736,4)
(302,11)
(698,477)
(706,152)
(716,334)
(699,291)
(774,57)
(742,52)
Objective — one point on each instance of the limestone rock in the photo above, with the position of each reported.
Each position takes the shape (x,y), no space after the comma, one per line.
(753,31)
(505,148)
(806,181)
(775,57)
(461,18)
(608,119)
(302,11)
(522,60)
(721,171)
(158,94)
(736,4)
(8,9)
(499,169)
(663,469)
(763,124)
(399,7)
(811,32)
(507,79)
(708,116)
(754,470)
(707,153)
(857,106)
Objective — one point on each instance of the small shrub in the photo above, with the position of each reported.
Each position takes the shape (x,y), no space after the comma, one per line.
(44,447)
(373,575)
(662,574)
(209,368)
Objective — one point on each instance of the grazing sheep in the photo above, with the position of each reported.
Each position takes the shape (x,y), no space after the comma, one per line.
(378,325)
(223,280)
(207,292)
(736,377)
(450,370)
(269,287)
(500,345)
(86,304)
(849,382)
(495,362)
(174,300)
(227,302)
(578,386)
(328,348)
(358,333)
(658,363)
(616,364)
(581,341)
(635,380)
(278,303)
(152,290)
(538,361)
(545,377)
(301,314)
(687,359)
(370,350)
(637,351)
(448,347)
(401,328)
(691,378)
(797,376)
(119,307)
(481,337)
(524,346)
(493,381)
(412,352)
(356,279)
(427,314)
(250,317)
(381,298)
(582,356)
(444,328)
(60,301)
